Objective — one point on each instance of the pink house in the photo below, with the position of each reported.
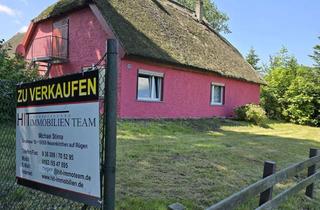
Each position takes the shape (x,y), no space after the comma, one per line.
(172,64)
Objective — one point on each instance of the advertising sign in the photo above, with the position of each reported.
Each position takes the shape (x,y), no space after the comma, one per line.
(57,137)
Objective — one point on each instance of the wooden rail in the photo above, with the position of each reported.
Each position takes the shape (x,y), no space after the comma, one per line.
(274,203)
(265,186)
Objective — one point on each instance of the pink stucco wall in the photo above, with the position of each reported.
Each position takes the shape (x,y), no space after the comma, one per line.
(87,41)
(186,94)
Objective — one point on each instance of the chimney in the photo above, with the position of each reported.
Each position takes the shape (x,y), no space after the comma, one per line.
(199,10)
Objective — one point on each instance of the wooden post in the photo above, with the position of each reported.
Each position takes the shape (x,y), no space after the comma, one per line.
(269,169)
(311,171)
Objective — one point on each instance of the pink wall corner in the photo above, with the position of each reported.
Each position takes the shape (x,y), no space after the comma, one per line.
(41,30)
(88,33)
(87,41)
(186,94)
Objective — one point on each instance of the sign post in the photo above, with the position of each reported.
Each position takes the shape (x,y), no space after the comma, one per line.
(110,107)
(57,137)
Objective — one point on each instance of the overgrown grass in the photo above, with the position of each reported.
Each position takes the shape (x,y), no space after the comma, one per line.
(200,162)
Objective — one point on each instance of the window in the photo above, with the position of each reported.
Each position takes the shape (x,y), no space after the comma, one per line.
(60,37)
(217,94)
(150,86)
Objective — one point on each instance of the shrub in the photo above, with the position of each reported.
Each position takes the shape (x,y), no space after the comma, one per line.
(293,95)
(251,113)
(13,70)
(292,92)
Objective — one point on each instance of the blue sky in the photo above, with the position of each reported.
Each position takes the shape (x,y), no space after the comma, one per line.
(15,15)
(265,25)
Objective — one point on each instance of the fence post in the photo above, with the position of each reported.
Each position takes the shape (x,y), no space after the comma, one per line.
(269,169)
(311,171)
(110,111)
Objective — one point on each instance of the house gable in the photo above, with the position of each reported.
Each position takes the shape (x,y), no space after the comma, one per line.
(159,31)
(86,41)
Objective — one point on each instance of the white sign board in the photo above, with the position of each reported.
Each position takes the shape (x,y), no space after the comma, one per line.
(57,140)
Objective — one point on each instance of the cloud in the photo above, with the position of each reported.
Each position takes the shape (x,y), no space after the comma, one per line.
(23,29)
(7,10)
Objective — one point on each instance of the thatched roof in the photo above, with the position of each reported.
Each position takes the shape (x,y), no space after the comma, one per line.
(163,31)
(13,43)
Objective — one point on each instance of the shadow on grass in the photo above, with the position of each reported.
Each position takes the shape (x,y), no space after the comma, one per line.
(198,125)
(194,162)
(205,164)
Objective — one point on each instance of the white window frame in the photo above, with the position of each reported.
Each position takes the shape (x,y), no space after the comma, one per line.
(153,95)
(222,93)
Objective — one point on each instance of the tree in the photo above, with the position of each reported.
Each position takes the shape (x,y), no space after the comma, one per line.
(253,59)
(14,68)
(12,71)
(316,55)
(302,98)
(217,19)
(282,59)
(292,92)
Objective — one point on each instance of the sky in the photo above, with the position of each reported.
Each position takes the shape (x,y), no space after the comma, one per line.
(265,25)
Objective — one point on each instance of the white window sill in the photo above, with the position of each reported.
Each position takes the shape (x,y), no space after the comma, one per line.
(216,104)
(148,100)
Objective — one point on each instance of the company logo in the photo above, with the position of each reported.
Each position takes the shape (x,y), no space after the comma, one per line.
(54,119)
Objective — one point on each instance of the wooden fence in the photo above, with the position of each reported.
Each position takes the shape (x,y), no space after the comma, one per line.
(264,187)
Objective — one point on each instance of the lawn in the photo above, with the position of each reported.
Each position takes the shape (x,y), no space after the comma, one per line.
(200,162)
(194,162)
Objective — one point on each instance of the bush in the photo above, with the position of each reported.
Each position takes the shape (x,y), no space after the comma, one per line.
(251,113)
(292,92)
(293,95)
(13,70)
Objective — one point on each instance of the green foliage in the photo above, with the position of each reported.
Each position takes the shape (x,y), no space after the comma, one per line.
(217,19)
(253,59)
(14,68)
(302,98)
(293,91)
(12,71)
(316,55)
(282,59)
(251,113)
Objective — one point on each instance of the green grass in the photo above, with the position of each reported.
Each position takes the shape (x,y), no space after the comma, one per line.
(194,162)
(200,162)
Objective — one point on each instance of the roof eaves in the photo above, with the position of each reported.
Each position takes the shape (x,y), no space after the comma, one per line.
(195,68)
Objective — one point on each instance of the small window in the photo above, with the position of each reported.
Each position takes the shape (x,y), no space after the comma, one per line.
(217,94)
(60,38)
(150,86)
